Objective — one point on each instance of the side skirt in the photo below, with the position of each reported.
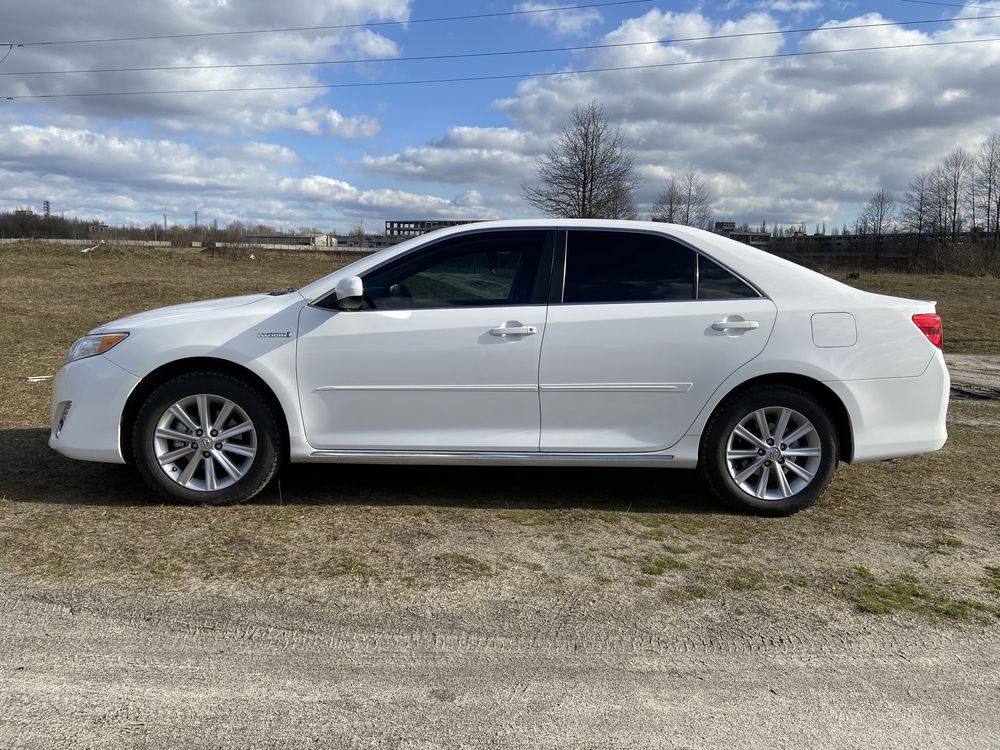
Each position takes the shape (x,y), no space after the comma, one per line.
(497,458)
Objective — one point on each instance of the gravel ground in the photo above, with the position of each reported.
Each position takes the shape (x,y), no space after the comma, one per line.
(548,644)
(232,668)
(974,376)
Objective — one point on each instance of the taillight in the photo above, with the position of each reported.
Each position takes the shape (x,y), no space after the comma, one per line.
(930,325)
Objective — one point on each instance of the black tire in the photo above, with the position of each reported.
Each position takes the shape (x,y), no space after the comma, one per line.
(722,474)
(263,440)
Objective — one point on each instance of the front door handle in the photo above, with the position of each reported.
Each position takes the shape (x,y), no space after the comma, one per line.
(513,328)
(735,325)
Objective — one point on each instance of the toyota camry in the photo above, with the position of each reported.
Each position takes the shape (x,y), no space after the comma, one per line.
(547,343)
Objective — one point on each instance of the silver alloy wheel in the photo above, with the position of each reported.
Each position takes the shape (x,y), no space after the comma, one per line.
(773,453)
(204,442)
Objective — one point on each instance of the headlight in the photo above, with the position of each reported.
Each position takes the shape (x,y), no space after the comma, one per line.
(99,343)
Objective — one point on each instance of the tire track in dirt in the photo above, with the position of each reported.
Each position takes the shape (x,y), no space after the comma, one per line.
(142,669)
(590,639)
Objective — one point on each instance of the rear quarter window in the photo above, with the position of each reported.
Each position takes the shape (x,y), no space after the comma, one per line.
(715,282)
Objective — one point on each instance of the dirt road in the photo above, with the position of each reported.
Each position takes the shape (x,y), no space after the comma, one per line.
(974,376)
(245,669)
(426,609)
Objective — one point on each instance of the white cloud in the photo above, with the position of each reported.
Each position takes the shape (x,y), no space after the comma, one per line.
(789,140)
(270,152)
(318,189)
(574,22)
(798,7)
(465,155)
(95,157)
(131,177)
(315,121)
(368,44)
(470,199)
(211,112)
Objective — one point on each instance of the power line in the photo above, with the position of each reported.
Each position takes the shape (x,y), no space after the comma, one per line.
(500,53)
(949,5)
(332,27)
(509,76)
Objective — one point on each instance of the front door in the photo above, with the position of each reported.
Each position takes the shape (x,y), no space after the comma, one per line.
(443,355)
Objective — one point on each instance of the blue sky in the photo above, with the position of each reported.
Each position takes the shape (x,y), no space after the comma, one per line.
(789,141)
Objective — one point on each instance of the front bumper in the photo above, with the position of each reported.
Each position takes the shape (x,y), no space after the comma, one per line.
(88,398)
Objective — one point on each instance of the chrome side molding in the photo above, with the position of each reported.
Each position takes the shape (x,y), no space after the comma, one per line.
(488,458)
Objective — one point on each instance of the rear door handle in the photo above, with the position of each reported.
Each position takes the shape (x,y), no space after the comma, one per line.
(735,325)
(513,328)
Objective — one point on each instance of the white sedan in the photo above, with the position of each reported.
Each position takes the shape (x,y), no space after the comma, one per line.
(551,342)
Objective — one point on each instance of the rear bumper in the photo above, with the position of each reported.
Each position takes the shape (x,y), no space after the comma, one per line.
(894,417)
(88,398)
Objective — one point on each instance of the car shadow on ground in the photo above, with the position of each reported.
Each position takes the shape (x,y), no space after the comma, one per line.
(32,472)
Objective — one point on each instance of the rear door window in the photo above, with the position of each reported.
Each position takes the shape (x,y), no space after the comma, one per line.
(608,266)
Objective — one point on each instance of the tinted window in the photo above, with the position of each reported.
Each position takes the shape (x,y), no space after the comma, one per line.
(715,282)
(491,268)
(626,267)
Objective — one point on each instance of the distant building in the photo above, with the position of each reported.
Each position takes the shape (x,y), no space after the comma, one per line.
(23,211)
(831,242)
(323,240)
(746,236)
(310,239)
(366,242)
(404,229)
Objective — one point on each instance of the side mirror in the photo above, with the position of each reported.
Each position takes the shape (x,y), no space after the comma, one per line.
(349,293)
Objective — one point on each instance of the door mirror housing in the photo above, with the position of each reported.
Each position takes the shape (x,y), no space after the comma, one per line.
(349,293)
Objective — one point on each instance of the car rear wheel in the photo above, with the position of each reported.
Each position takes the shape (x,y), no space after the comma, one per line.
(770,451)
(207,438)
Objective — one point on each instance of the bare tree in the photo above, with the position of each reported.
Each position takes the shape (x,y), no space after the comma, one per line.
(970,200)
(236,232)
(878,215)
(988,179)
(697,206)
(667,206)
(621,204)
(684,200)
(917,206)
(588,172)
(954,179)
(937,200)
(358,235)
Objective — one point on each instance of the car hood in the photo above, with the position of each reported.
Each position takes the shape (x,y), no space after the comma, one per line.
(177,311)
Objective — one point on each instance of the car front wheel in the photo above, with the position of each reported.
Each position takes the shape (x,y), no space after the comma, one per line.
(207,438)
(770,451)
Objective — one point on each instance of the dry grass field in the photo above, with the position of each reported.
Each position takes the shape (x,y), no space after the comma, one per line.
(916,537)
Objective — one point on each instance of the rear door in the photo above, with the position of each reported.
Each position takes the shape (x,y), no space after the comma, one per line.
(644,334)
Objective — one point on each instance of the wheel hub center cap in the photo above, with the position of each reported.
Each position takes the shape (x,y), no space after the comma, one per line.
(205,442)
(774,454)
